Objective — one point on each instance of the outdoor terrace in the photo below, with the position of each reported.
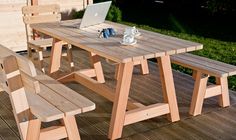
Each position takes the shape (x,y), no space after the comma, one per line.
(214,123)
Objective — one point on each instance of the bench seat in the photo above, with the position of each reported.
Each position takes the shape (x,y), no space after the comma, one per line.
(208,66)
(38,98)
(203,68)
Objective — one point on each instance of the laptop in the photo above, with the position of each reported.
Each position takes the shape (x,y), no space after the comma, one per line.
(94,14)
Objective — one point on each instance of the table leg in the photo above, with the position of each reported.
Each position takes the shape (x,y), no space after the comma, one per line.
(168,87)
(55,58)
(96,63)
(121,98)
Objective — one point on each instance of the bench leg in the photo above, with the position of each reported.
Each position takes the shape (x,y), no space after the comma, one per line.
(168,88)
(55,57)
(34,129)
(97,65)
(224,100)
(69,56)
(71,128)
(120,101)
(198,94)
(40,59)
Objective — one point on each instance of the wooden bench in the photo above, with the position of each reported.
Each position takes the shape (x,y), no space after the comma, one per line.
(39,98)
(202,69)
(43,14)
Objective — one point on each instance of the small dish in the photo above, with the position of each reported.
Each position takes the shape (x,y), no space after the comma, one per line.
(126,44)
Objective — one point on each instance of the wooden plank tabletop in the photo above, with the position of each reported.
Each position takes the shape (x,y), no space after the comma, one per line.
(149,44)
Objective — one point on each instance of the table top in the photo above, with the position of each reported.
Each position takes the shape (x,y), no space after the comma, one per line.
(149,44)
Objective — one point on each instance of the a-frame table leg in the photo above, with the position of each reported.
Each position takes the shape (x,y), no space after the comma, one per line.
(168,87)
(121,98)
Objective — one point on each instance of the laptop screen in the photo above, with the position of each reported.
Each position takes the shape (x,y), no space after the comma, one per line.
(95,14)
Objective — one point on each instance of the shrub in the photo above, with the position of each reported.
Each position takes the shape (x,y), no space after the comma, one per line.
(78,14)
(114,14)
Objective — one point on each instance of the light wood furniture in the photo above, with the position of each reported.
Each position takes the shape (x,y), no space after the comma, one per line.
(39,98)
(37,42)
(150,45)
(202,69)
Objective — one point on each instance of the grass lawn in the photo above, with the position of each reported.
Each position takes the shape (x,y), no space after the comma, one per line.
(213,49)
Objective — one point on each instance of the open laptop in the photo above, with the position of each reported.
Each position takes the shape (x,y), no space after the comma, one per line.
(94,14)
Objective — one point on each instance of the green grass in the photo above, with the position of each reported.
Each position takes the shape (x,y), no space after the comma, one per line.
(214,49)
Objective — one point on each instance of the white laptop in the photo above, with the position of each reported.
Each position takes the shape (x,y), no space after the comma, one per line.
(94,14)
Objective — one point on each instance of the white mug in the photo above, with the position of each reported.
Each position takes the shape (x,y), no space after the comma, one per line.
(131,31)
(128,39)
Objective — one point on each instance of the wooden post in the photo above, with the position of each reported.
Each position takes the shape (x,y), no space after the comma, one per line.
(55,56)
(71,128)
(224,97)
(144,66)
(121,98)
(168,87)
(97,65)
(199,92)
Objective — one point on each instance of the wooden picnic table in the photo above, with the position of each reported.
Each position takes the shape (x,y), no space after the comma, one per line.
(149,45)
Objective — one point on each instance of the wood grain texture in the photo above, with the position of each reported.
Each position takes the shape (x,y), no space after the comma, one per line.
(88,39)
(206,65)
(214,123)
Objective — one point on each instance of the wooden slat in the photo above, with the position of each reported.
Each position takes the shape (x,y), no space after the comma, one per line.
(53,132)
(190,46)
(227,68)
(146,112)
(41,18)
(42,109)
(136,49)
(109,48)
(142,51)
(41,42)
(30,84)
(213,90)
(188,62)
(198,94)
(78,100)
(88,72)
(41,9)
(61,103)
(24,64)
(144,42)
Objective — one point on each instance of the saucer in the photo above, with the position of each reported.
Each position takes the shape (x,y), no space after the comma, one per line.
(125,43)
